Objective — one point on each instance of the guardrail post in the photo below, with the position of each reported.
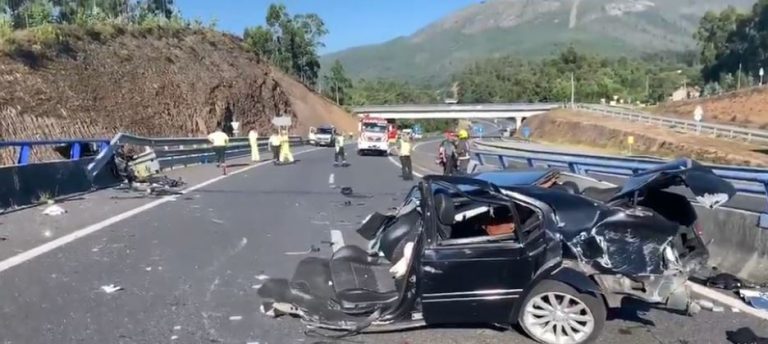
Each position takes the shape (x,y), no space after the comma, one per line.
(480,158)
(24,152)
(502,162)
(574,168)
(529,161)
(74,152)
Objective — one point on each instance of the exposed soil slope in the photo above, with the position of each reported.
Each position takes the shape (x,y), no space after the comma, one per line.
(583,129)
(746,108)
(164,83)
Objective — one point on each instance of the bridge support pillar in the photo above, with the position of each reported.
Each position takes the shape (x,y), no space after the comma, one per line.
(518,122)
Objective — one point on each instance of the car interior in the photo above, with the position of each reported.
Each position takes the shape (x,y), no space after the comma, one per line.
(481,217)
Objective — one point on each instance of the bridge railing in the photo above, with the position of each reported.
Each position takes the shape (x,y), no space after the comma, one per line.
(747,180)
(713,129)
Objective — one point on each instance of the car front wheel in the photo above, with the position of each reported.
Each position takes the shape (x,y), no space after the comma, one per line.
(556,313)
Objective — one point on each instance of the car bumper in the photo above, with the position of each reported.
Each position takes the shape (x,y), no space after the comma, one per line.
(378,146)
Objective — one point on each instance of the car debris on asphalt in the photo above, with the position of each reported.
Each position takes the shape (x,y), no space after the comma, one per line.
(54,210)
(111,288)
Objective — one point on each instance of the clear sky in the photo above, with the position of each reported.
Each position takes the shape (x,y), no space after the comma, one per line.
(350,22)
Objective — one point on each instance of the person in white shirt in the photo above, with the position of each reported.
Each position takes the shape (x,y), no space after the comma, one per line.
(219,140)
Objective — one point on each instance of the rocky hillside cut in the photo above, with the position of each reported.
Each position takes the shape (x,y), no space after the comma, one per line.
(164,83)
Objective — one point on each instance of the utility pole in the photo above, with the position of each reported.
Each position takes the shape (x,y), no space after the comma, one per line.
(337,91)
(573,91)
(647,87)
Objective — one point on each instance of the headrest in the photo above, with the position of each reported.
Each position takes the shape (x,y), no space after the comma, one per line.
(446,211)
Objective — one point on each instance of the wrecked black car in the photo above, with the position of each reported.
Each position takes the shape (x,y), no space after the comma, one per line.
(546,250)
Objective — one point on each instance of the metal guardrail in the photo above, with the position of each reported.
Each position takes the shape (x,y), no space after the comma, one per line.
(718,130)
(747,180)
(174,150)
(76,147)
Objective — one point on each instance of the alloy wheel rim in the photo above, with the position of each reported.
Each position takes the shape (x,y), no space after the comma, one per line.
(558,318)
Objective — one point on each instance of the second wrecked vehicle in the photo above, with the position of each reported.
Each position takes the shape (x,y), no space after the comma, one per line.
(546,250)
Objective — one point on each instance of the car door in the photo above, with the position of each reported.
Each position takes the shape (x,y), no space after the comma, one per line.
(473,282)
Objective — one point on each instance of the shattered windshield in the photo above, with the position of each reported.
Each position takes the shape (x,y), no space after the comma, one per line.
(374,128)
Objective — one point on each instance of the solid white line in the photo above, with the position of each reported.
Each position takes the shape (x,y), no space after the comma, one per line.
(331,179)
(337,239)
(58,242)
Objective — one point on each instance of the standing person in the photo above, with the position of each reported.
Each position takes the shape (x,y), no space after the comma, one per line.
(339,143)
(220,140)
(462,151)
(285,148)
(253,139)
(274,143)
(404,151)
(448,150)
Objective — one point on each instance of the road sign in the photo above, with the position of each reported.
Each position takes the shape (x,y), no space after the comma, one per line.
(762,72)
(282,121)
(698,113)
(631,140)
(526,132)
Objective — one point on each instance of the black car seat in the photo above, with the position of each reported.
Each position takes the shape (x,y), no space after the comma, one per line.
(446,213)
(360,280)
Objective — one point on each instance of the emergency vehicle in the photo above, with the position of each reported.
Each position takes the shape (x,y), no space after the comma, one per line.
(374,135)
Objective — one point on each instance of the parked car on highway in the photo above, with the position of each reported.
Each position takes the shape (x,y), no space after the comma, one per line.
(322,136)
(549,251)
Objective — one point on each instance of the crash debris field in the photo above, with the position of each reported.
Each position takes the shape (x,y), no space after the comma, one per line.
(161,83)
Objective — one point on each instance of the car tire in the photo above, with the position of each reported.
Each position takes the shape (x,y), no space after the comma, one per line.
(583,324)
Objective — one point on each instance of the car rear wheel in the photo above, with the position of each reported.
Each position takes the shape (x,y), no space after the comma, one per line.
(556,313)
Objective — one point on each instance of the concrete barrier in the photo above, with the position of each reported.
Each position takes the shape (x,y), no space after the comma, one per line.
(736,244)
(22,185)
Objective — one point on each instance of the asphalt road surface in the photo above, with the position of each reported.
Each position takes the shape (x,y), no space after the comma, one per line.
(189,268)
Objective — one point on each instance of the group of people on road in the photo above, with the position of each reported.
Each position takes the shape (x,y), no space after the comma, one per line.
(279,143)
(453,153)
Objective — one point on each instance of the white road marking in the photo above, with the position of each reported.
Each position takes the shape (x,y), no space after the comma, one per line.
(729,301)
(331,179)
(337,240)
(61,241)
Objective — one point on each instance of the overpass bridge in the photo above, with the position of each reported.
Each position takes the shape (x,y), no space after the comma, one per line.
(517,111)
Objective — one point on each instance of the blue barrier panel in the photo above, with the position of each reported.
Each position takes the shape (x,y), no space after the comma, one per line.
(75,147)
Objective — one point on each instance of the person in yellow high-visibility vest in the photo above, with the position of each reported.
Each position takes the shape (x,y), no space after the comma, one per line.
(219,140)
(285,148)
(253,139)
(339,157)
(274,144)
(404,151)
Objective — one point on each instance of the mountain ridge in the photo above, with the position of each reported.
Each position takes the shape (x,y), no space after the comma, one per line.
(531,29)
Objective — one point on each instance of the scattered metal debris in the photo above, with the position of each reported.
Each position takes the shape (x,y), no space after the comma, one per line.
(236,318)
(262,277)
(176,328)
(256,286)
(312,249)
(724,281)
(217,221)
(346,190)
(54,210)
(174,337)
(111,288)
(148,268)
(755,298)
(3,238)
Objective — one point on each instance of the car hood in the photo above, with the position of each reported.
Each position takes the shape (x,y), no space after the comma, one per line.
(709,189)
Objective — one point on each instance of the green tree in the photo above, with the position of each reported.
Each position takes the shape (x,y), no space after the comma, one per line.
(289,42)
(337,84)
